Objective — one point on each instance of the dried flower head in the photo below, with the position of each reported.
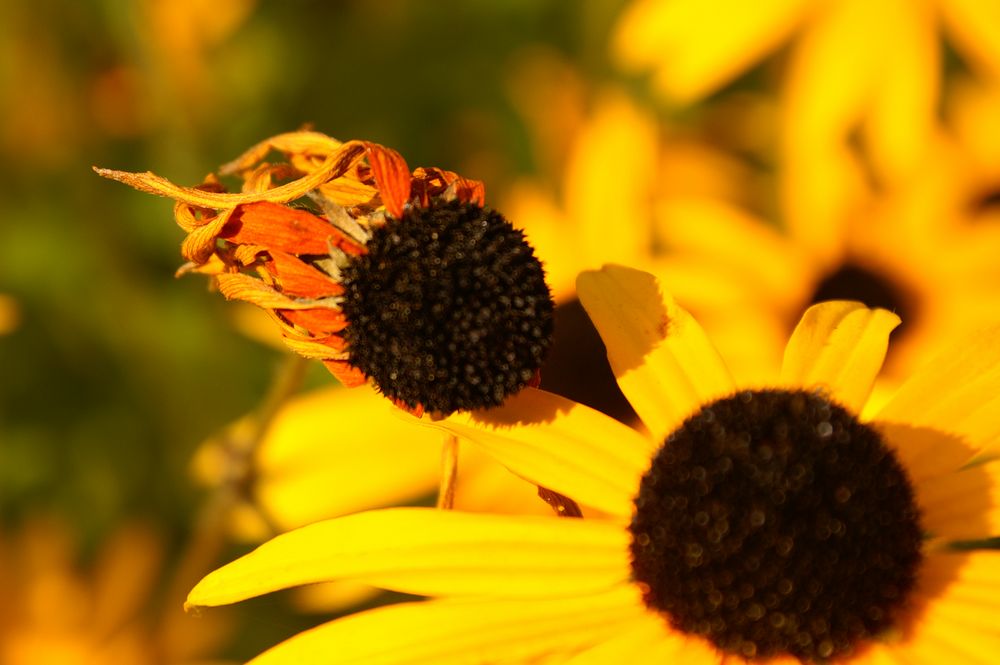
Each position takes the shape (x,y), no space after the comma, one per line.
(401,278)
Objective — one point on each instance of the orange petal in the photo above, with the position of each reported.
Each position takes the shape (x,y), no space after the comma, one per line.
(346,373)
(298,278)
(392,177)
(290,230)
(321,319)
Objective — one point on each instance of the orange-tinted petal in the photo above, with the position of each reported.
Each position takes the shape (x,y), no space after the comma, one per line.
(291,230)
(392,177)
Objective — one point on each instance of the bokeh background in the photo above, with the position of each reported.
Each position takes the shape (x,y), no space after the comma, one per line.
(761,158)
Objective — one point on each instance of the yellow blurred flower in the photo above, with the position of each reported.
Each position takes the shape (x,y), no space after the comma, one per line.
(771,524)
(860,91)
(333,452)
(54,612)
(641,193)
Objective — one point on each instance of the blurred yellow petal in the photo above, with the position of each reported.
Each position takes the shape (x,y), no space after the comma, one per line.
(664,362)
(124,575)
(697,47)
(561,445)
(428,551)
(904,107)
(974,26)
(460,632)
(485,486)
(970,369)
(609,183)
(344,439)
(333,597)
(545,228)
(839,346)
(719,233)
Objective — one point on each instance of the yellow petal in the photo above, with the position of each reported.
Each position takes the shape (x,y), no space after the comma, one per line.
(485,486)
(428,551)
(963,504)
(718,233)
(329,453)
(957,606)
(545,228)
(649,640)
(700,46)
(958,392)
(664,362)
(461,632)
(838,346)
(561,445)
(612,215)
(904,109)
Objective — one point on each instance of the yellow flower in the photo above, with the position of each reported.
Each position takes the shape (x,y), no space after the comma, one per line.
(56,612)
(768,523)
(401,278)
(860,90)
(333,452)
(694,48)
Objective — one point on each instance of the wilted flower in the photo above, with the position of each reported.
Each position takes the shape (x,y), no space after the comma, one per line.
(402,278)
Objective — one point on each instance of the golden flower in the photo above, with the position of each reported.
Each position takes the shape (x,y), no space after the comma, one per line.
(332,452)
(110,612)
(404,279)
(923,247)
(860,90)
(766,523)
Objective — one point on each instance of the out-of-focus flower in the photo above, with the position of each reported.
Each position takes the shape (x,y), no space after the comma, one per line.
(773,525)
(693,49)
(334,452)
(55,613)
(620,176)
(861,87)
(404,279)
(677,207)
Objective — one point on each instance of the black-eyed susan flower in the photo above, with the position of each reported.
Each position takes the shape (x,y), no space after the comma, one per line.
(766,523)
(404,279)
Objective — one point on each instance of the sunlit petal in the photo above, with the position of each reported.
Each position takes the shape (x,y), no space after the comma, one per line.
(695,52)
(429,551)
(561,445)
(457,632)
(839,346)
(958,392)
(664,362)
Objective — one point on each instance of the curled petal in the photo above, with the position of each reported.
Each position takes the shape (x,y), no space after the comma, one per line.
(392,177)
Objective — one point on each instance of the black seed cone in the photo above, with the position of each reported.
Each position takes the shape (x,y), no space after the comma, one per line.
(773,522)
(448,309)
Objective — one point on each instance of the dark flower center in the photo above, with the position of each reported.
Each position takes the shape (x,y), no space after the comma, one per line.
(774,523)
(448,309)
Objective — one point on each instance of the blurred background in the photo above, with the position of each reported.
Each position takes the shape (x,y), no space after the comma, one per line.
(757,159)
